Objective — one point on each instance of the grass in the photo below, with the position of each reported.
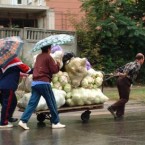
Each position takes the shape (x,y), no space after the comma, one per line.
(137,93)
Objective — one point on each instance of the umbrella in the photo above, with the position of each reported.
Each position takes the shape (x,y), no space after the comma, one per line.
(58,39)
(56,48)
(9,48)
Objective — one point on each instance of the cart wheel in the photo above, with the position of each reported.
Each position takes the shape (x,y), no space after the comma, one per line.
(41,117)
(85,116)
(48,116)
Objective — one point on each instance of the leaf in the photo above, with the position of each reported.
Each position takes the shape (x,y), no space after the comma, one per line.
(108,34)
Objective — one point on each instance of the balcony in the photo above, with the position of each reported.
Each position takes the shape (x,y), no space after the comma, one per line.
(23,2)
(32,35)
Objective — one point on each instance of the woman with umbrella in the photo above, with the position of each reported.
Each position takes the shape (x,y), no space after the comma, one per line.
(44,68)
(9,79)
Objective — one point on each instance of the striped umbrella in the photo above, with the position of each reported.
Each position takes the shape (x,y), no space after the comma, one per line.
(9,49)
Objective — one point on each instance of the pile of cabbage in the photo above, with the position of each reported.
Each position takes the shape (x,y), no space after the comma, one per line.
(87,93)
(78,85)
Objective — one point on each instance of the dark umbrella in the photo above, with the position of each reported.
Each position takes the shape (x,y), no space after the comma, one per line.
(9,49)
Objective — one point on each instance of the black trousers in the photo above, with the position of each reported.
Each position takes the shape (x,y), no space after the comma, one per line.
(123,85)
(8,101)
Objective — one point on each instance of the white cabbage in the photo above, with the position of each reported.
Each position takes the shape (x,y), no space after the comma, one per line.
(68,95)
(63,80)
(59,97)
(82,96)
(95,73)
(67,87)
(70,102)
(57,85)
(98,81)
(55,79)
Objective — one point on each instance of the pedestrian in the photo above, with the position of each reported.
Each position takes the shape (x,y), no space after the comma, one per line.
(126,76)
(44,68)
(9,79)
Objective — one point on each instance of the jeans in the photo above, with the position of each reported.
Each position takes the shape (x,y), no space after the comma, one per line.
(39,90)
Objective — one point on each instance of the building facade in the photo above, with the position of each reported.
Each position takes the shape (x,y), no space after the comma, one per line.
(33,20)
(65,12)
(47,14)
(26,13)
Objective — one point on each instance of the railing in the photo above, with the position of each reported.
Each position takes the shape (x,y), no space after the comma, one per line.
(33,34)
(6,32)
(30,34)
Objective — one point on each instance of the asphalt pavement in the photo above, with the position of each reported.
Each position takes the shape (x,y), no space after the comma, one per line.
(101,129)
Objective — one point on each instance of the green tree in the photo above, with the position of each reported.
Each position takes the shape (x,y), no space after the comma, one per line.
(112,32)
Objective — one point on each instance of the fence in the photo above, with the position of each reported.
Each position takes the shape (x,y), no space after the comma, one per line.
(31,34)
(6,32)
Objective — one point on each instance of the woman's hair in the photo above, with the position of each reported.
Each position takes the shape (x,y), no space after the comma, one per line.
(46,48)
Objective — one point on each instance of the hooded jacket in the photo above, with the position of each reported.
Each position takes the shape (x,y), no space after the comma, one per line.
(10,74)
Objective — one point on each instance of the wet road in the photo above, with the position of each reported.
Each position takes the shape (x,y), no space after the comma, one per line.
(100,130)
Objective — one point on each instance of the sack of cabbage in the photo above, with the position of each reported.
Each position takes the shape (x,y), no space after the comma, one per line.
(86,94)
(59,97)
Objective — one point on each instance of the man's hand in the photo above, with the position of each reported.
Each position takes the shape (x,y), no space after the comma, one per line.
(118,74)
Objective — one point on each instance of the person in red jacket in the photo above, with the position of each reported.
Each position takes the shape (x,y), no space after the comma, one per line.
(44,68)
(9,79)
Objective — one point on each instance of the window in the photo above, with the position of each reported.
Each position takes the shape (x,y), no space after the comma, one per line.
(39,2)
(16,2)
(29,1)
(19,1)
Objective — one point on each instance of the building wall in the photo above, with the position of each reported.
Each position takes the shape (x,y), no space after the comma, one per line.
(64,10)
(5,2)
(60,15)
(37,2)
(28,55)
(30,13)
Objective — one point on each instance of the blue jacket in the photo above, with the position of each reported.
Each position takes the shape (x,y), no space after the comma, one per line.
(10,74)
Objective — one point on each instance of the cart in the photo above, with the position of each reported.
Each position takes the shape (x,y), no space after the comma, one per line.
(85,116)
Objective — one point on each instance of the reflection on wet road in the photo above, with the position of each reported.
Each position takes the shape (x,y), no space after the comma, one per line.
(100,130)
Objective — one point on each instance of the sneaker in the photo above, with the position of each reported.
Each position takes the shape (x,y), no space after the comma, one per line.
(6,126)
(112,111)
(119,118)
(23,125)
(58,125)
